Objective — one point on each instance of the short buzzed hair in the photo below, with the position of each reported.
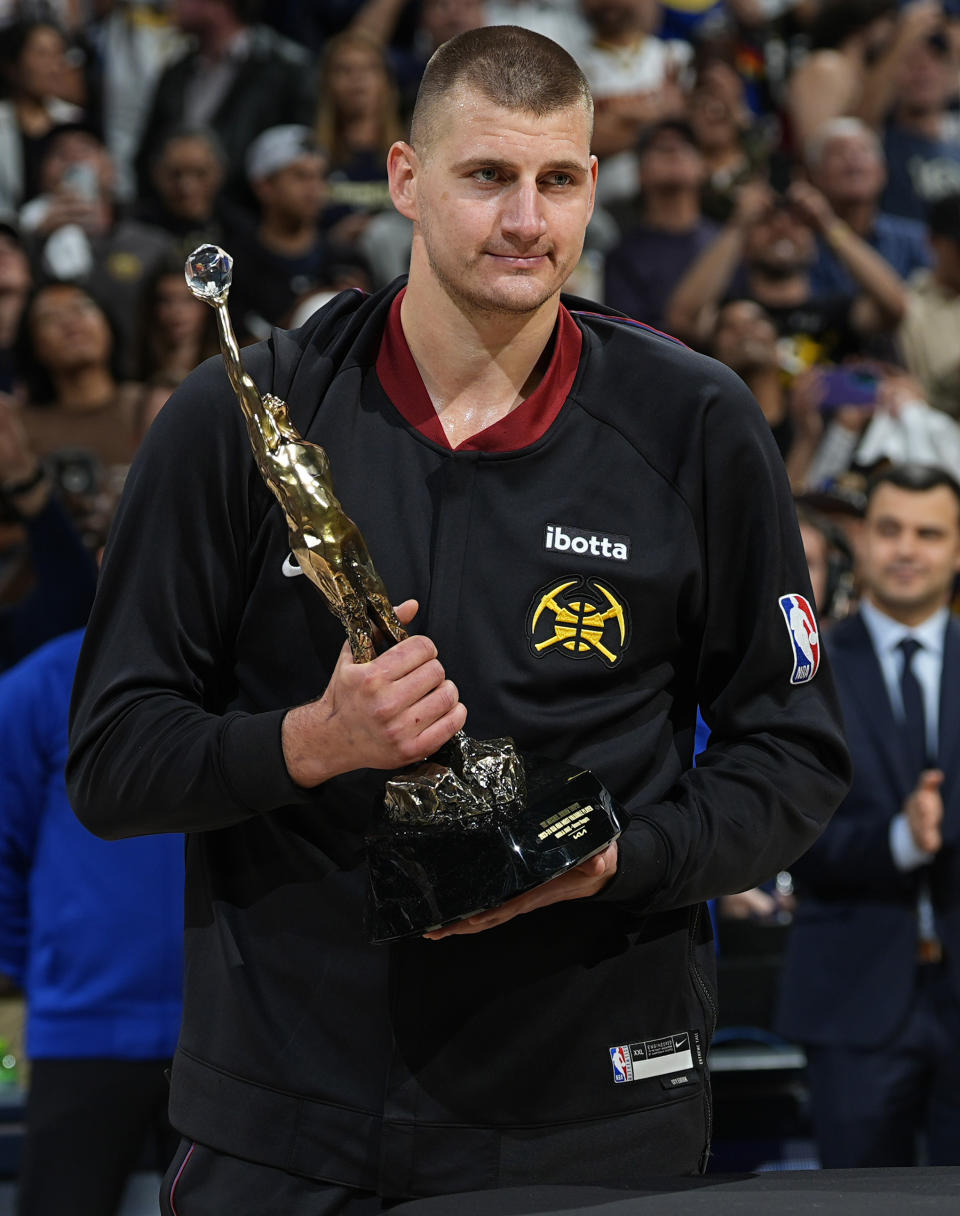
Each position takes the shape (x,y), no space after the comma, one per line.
(512,67)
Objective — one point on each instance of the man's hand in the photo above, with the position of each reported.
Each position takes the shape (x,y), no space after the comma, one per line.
(924,811)
(812,206)
(753,200)
(581,882)
(385,714)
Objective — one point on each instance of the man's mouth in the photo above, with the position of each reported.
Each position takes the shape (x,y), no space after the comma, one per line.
(519,259)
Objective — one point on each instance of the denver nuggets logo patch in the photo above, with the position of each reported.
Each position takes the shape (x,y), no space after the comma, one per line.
(804,637)
(579,618)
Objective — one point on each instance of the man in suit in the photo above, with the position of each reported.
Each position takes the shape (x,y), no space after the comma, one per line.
(871,982)
(238,78)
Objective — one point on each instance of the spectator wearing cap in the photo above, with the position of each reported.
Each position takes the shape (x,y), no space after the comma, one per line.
(286,255)
(928,335)
(846,163)
(656,249)
(77,234)
(16,277)
(239,78)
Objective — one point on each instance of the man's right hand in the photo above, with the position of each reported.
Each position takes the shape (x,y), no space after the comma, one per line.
(924,811)
(386,714)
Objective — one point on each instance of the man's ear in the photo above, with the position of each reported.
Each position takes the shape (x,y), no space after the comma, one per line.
(403,167)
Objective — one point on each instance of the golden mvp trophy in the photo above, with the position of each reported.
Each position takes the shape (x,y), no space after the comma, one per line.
(477,824)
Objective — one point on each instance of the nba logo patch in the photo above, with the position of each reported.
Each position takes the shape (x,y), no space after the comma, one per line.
(621,1065)
(804,637)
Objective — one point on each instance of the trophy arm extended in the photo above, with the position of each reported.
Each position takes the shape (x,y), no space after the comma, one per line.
(327,544)
(265,434)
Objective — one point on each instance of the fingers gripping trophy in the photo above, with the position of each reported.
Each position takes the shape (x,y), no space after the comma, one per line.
(477,824)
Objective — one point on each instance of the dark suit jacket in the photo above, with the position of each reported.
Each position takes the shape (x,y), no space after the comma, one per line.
(850,968)
(276,85)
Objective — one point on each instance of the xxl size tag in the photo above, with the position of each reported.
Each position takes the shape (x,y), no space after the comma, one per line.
(651,1058)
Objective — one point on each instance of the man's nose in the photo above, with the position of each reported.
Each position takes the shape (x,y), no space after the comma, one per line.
(523,216)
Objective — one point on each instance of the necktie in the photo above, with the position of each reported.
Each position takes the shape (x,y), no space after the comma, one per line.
(914,718)
(929,949)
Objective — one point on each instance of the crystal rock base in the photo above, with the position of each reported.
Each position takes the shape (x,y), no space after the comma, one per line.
(442,850)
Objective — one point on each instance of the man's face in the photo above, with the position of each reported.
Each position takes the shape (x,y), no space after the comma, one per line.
(188,176)
(500,201)
(296,193)
(671,162)
(744,337)
(713,119)
(444,19)
(910,550)
(927,78)
(851,169)
(780,242)
(199,16)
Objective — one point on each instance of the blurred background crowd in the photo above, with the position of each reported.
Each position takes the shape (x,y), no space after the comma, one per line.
(779,187)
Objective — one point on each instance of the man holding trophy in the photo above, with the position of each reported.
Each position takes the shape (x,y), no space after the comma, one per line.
(591,530)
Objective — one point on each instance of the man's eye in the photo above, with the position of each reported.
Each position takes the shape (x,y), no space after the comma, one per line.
(486,175)
(560,179)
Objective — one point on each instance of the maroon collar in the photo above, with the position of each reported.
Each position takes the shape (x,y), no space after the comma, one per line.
(400,377)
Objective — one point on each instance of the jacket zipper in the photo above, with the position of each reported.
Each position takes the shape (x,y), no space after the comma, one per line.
(707,1000)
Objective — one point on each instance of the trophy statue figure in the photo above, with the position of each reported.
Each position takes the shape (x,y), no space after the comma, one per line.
(478,823)
(325,541)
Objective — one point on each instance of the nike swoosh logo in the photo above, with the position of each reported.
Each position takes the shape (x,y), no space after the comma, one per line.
(291,567)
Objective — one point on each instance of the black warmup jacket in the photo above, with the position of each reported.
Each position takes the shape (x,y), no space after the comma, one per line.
(567,1045)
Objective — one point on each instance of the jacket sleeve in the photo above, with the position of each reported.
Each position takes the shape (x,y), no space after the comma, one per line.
(152,748)
(853,859)
(23,786)
(776,765)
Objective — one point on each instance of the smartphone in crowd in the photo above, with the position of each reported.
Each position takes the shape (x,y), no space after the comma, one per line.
(849,384)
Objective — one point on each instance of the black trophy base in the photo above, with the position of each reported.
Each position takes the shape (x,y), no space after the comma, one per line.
(424,876)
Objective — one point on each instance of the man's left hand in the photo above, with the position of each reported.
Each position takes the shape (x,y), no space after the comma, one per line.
(581,882)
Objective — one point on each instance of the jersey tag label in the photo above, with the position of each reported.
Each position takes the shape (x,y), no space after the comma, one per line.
(804,637)
(651,1058)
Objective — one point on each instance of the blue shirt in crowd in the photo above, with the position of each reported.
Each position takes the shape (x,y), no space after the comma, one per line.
(91,929)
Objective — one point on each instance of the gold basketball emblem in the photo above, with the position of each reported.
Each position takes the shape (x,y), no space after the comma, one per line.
(579,618)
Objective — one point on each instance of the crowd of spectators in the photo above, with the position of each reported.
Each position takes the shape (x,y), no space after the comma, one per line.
(779,187)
